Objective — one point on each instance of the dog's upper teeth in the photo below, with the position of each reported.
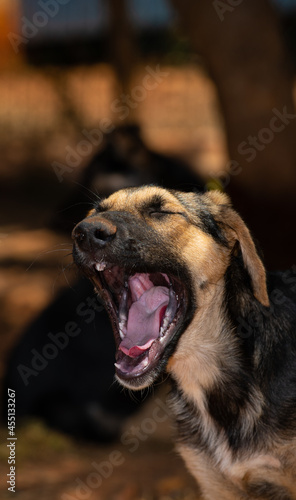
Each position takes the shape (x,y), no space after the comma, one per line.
(123,313)
(121,328)
(100,266)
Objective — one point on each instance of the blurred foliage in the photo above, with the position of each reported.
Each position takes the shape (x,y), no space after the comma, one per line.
(36,437)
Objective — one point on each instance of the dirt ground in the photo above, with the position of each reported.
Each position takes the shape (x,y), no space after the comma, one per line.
(53,467)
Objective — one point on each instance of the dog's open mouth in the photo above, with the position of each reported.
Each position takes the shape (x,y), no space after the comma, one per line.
(145,310)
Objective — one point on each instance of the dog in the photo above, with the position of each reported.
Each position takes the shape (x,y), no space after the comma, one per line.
(67,399)
(123,160)
(187,294)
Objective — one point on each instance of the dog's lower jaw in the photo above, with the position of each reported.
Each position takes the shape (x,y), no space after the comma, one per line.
(140,384)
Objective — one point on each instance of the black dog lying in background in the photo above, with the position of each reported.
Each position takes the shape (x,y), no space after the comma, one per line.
(123,161)
(74,390)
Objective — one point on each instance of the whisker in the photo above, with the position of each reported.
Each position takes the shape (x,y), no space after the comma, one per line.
(96,195)
(86,203)
(49,251)
(62,271)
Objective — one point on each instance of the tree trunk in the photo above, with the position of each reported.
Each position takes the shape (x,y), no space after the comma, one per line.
(123,48)
(241,45)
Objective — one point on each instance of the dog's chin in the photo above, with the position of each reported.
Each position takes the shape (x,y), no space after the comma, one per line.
(140,382)
(148,313)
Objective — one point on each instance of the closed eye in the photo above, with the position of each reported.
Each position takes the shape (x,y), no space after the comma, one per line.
(158,209)
(159,214)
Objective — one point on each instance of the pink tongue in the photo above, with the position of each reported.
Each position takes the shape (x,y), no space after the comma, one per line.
(144,321)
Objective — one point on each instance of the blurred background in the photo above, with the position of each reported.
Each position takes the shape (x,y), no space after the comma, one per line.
(96,95)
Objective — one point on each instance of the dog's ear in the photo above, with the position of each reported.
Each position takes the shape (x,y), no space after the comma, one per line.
(235,225)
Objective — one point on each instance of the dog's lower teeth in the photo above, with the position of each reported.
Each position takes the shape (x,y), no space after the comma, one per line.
(170,312)
(164,327)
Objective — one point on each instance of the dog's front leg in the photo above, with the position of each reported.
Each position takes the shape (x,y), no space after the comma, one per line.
(214,484)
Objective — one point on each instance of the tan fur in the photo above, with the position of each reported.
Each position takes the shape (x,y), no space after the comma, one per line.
(199,349)
(91,212)
(242,235)
(208,344)
(195,366)
(251,259)
(216,486)
(213,484)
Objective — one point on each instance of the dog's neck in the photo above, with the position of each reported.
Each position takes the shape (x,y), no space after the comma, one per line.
(211,378)
(196,363)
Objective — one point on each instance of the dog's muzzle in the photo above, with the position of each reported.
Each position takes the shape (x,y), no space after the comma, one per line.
(147,304)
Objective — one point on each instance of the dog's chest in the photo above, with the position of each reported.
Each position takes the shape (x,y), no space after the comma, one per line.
(197,430)
(219,470)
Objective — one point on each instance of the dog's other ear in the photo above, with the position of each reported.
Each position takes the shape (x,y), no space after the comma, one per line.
(252,262)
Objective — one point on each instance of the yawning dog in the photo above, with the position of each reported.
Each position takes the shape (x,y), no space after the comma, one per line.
(187,293)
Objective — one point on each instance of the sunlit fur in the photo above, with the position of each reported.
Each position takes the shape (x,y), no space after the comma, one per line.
(233,367)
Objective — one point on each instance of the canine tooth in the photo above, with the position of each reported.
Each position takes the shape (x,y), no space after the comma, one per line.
(122,314)
(116,365)
(123,306)
(121,327)
(100,266)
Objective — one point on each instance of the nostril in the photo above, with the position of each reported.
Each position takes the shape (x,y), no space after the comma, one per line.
(103,235)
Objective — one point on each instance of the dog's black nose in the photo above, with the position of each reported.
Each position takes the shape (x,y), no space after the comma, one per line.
(93,233)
